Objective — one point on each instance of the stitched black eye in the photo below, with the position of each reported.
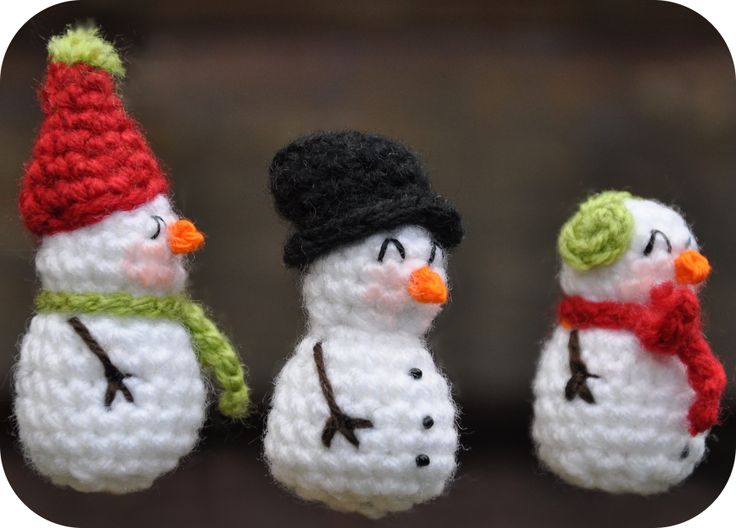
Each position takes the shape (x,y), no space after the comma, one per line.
(433,253)
(159,225)
(399,247)
(689,242)
(653,238)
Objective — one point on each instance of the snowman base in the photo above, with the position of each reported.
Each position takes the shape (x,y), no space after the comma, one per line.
(407,454)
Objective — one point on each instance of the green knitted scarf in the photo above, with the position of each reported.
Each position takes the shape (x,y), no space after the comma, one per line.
(213,349)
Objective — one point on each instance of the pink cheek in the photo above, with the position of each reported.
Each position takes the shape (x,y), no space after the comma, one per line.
(634,288)
(387,288)
(150,264)
(645,274)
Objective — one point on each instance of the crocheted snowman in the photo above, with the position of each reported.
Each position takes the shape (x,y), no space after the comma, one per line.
(109,393)
(362,419)
(627,388)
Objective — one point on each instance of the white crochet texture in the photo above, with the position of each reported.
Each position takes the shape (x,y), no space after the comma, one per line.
(115,254)
(67,432)
(635,437)
(371,333)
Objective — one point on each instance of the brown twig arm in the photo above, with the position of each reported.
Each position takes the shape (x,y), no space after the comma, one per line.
(338,421)
(114,376)
(577,385)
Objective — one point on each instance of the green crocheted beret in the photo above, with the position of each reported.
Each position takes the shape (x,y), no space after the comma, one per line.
(598,233)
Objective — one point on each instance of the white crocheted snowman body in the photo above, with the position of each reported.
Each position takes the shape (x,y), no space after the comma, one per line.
(69,430)
(634,436)
(621,425)
(365,350)
(404,458)
(109,393)
(69,433)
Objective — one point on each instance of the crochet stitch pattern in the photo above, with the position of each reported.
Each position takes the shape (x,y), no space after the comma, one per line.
(109,389)
(598,233)
(627,388)
(361,418)
(89,157)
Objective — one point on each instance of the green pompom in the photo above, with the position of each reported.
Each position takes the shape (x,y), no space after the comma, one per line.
(84,44)
(598,233)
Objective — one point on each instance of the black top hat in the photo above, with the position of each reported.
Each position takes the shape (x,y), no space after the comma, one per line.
(339,187)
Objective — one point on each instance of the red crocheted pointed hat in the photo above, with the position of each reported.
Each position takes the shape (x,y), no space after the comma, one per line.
(90,158)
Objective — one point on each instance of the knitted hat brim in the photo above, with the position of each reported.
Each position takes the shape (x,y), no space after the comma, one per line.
(433,213)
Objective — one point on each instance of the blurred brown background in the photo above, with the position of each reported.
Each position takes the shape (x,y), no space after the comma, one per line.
(518,110)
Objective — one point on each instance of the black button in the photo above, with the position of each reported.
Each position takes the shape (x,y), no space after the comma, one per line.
(427,422)
(415,373)
(422,460)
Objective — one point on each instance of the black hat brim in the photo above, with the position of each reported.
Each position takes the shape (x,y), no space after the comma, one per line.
(431,212)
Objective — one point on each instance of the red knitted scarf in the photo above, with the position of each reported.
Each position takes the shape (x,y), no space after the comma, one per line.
(668,324)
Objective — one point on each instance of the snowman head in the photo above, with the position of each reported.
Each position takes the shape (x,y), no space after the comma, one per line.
(93,191)
(141,251)
(394,280)
(617,247)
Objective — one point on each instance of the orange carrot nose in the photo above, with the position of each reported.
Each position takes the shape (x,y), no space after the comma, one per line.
(184,237)
(426,286)
(691,267)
